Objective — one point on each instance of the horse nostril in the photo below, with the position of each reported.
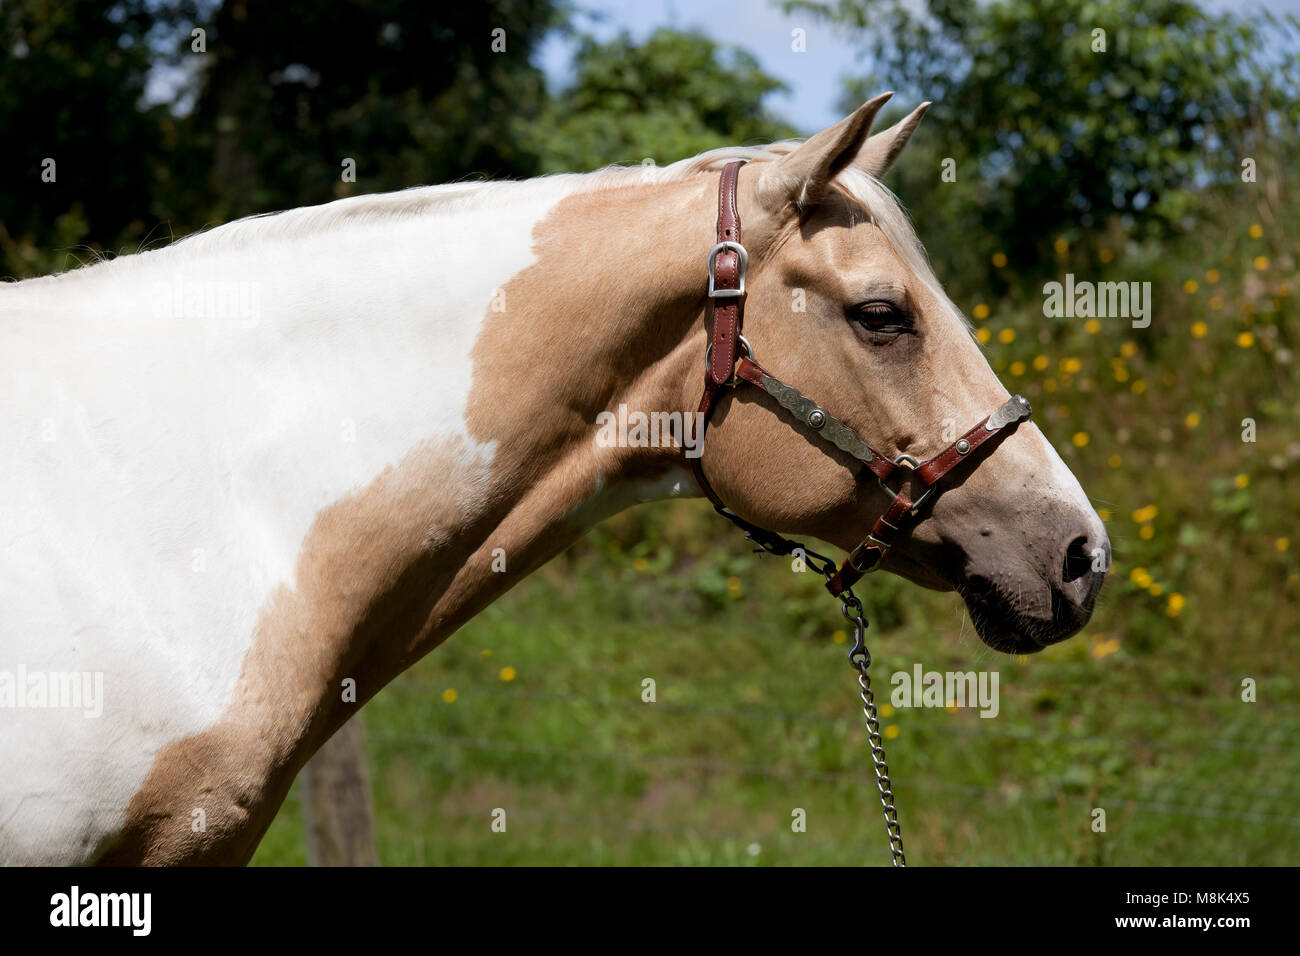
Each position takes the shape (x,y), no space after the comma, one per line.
(1078,561)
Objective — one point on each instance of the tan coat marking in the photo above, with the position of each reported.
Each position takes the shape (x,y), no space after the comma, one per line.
(389,572)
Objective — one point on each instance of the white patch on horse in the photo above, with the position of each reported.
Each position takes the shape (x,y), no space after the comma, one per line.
(162,470)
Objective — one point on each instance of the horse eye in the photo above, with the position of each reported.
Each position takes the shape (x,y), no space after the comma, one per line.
(881,317)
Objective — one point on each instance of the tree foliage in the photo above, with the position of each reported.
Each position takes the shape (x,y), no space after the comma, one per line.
(276,94)
(1049,134)
(293,89)
(72,75)
(1063,114)
(673,96)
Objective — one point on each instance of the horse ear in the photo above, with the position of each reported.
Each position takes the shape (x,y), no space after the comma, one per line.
(801,177)
(882,149)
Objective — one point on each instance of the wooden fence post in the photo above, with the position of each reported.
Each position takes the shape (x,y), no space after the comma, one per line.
(337,807)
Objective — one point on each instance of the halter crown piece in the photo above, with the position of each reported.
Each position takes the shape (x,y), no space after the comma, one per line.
(726,368)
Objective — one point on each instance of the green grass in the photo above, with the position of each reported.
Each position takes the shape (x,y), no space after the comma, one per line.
(753,719)
(757,710)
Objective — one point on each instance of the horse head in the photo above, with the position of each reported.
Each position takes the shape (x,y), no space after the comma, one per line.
(842,304)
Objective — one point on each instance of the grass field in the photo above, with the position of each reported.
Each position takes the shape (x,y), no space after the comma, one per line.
(755,718)
(536,706)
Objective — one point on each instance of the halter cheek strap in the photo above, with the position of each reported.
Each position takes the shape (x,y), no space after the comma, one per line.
(727,264)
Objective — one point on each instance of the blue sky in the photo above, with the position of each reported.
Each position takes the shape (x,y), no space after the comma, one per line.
(759,26)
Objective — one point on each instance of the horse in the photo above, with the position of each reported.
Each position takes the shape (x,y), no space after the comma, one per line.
(251,477)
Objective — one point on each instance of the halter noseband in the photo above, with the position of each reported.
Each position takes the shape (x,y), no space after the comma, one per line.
(727,264)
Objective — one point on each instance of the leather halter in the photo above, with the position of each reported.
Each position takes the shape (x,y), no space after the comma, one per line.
(727,265)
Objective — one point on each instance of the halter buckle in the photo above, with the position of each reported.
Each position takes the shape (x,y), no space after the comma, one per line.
(742,266)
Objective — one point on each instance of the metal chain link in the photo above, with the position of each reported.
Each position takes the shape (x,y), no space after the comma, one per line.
(860,658)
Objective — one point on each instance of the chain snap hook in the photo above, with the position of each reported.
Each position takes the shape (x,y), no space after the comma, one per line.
(851,608)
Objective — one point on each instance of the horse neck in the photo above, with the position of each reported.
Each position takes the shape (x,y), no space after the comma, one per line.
(609,314)
(290,499)
(606,311)
(436,386)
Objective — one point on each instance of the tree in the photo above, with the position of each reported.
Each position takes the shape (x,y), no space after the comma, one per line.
(81,151)
(1062,114)
(412,96)
(673,96)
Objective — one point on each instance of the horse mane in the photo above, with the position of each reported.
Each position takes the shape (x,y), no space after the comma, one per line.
(865,194)
(460,197)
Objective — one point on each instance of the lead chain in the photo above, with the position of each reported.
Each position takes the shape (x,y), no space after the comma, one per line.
(860,658)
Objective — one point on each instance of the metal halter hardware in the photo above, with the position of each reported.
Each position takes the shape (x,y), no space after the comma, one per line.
(727,296)
(749,350)
(912,464)
(742,268)
(877,549)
